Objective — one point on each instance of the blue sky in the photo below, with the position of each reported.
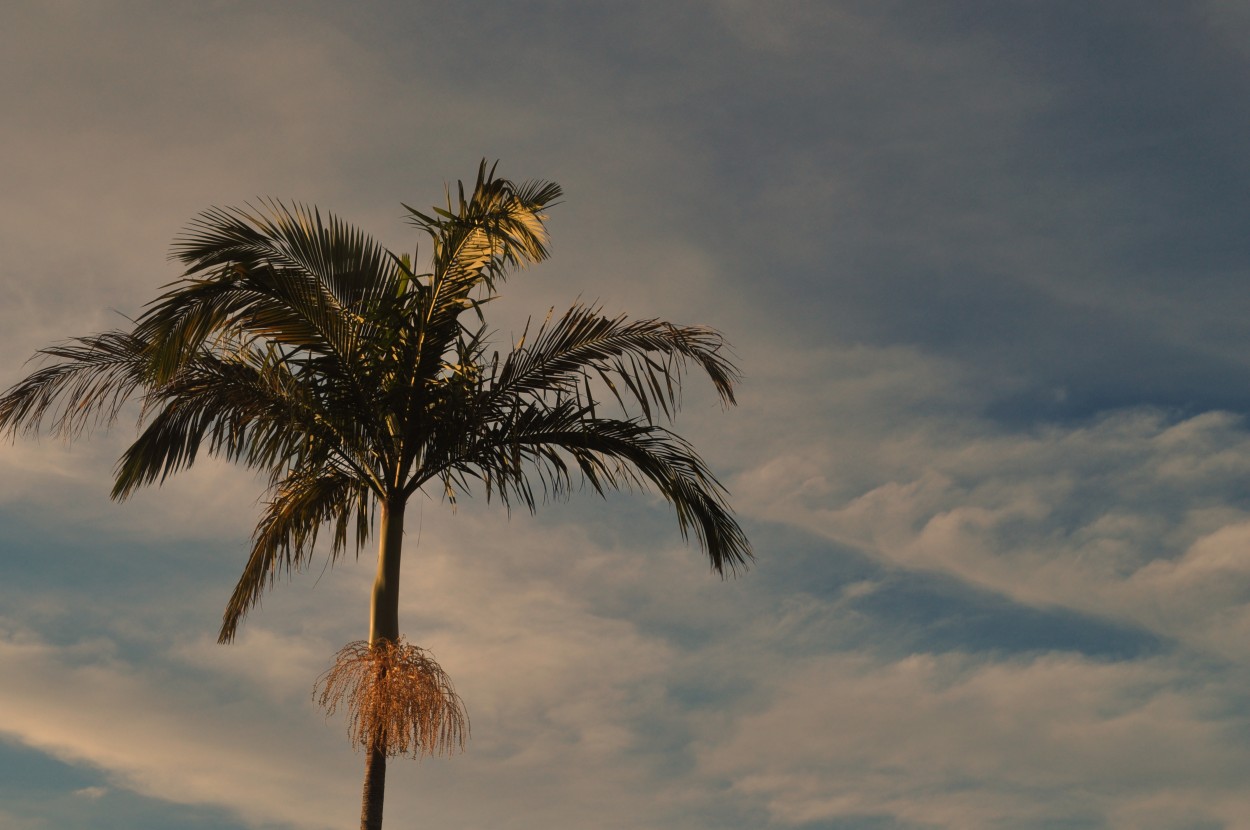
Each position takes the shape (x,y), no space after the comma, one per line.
(983,266)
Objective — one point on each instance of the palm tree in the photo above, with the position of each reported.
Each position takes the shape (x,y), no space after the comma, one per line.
(298,346)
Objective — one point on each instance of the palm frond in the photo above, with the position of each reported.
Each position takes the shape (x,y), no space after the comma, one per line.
(282,275)
(288,530)
(89,384)
(246,407)
(353,268)
(501,225)
(646,357)
(537,442)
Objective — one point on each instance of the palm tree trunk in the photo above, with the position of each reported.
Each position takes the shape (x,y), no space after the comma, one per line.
(374,791)
(383,625)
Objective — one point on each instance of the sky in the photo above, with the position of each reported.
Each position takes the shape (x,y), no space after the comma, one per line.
(983,268)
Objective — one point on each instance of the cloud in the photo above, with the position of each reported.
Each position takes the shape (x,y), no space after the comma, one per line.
(570,706)
(953,742)
(158,733)
(1132,515)
(16,822)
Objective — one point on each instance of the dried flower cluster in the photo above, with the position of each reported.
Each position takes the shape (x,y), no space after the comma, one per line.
(398,699)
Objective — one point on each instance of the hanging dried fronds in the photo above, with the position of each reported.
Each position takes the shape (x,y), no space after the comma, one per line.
(398,699)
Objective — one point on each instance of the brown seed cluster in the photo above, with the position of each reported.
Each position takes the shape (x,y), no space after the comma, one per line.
(398,699)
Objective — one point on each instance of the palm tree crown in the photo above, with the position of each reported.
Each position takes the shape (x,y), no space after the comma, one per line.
(297,345)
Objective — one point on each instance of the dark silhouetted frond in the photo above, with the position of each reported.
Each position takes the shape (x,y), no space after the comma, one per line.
(538,450)
(646,357)
(288,530)
(90,381)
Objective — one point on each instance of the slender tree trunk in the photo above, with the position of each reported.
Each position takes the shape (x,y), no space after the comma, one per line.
(383,625)
(375,790)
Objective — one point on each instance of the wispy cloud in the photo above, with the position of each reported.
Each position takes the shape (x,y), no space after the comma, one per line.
(92,793)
